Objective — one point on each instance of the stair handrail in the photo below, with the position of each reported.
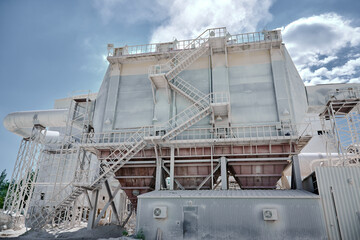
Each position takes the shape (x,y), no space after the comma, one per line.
(203,103)
(194,44)
(196,91)
(152,130)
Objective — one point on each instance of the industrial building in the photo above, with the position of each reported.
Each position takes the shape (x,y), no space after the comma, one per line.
(210,138)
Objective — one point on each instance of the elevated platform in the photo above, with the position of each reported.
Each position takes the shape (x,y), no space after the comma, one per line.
(159,80)
(339,107)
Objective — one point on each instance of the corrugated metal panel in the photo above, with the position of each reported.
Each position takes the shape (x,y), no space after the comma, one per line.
(339,189)
(230,194)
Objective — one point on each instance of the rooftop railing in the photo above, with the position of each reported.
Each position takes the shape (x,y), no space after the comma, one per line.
(343,94)
(255,37)
(176,45)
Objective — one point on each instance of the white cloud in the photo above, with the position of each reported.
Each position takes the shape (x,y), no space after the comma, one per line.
(188,18)
(354,80)
(316,41)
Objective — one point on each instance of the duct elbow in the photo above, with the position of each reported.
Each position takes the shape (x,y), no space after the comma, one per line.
(21,123)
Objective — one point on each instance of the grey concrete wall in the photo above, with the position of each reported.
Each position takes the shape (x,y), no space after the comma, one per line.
(234,215)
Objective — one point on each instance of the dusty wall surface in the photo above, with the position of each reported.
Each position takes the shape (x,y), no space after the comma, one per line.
(232,215)
(264,87)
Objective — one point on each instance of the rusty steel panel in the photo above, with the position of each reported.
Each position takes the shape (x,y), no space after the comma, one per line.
(251,174)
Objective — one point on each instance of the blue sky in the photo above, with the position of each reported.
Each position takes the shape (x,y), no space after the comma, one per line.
(51,48)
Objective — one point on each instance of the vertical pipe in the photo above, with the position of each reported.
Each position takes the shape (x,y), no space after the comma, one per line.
(172,167)
(210,69)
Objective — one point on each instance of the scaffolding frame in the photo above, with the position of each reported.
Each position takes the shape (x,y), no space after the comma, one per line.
(24,175)
(340,123)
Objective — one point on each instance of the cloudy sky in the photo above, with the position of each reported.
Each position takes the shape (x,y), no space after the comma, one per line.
(48,49)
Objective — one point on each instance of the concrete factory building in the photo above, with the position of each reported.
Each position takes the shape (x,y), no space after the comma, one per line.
(211,138)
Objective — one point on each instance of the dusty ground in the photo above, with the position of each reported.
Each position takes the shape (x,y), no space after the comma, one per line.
(109,232)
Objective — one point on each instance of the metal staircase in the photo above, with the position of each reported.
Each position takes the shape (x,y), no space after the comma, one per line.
(121,155)
(186,89)
(195,49)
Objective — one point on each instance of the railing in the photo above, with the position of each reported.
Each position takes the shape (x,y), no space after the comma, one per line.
(158,130)
(200,41)
(249,132)
(254,37)
(342,94)
(150,48)
(241,132)
(187,89)
(220,97)
(264,36)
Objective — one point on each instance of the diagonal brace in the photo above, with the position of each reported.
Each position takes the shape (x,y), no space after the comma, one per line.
(176,181)
(208,177)
(110,202)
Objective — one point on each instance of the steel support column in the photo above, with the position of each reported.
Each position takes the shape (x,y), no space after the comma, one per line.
(224,180)
(172,168)
(158,178)
(296,182)
(109,203)
(92,214)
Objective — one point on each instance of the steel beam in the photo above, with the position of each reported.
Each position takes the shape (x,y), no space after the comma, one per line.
(208,177)
(176,181)
(233,173)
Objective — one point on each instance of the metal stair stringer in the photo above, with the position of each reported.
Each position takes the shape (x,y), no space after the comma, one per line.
(186,89)
(189,54)
(177,66)
(187,118)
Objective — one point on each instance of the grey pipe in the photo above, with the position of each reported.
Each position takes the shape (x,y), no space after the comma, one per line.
(21,123)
